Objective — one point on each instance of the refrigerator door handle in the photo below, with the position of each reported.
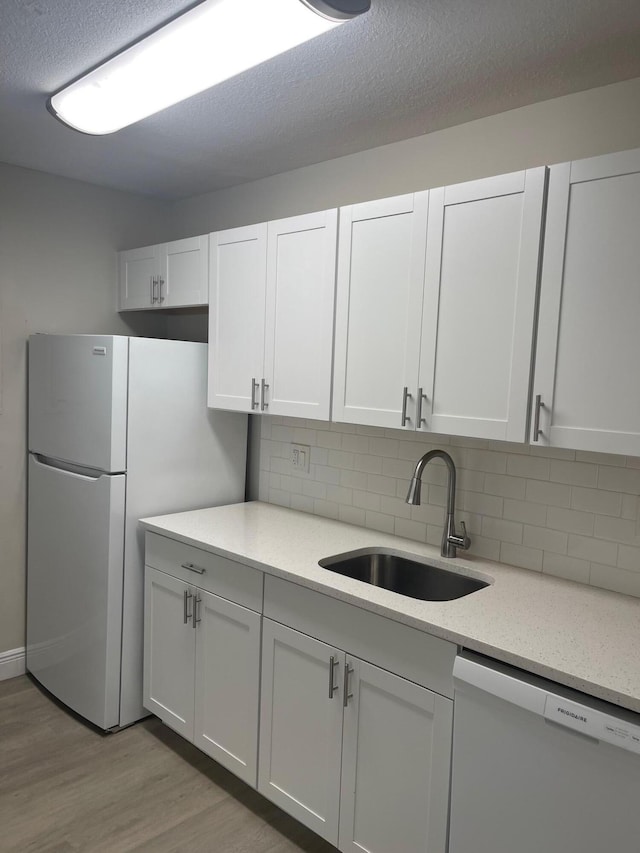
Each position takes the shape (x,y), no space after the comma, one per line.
(68,467)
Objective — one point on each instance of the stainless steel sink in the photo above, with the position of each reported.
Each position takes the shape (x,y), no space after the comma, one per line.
(403,575)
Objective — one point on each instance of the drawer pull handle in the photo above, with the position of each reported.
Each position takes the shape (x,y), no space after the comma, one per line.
(405,419)
(347,672)
(333,663)
(187,615)
(193,568)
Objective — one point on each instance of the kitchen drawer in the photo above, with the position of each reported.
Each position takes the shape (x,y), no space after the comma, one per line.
(398,648)
(219,575)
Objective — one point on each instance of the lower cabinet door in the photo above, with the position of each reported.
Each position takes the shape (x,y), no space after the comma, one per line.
(301,727)
(169,651)
(227,684)
(395,764)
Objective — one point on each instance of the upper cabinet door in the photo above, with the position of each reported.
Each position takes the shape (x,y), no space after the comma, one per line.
(378,310)
(301,274)
(483,249)
(237,287)
(184,273)
(588,343)
(139,279)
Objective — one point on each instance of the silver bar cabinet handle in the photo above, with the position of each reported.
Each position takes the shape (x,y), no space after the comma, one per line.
(537,432)
(160,283)
(196,601)
(254,389)
(187,615)
(153,289)
(263,395)
(347,672)
(333,663)
(419,419)
(193,568)
(405,396)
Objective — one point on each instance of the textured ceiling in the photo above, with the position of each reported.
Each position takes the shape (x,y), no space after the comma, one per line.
(408,67)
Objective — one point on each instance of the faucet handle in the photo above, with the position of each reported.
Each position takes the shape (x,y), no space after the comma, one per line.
(466,541)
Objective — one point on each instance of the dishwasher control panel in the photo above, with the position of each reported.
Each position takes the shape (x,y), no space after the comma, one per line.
(592,723)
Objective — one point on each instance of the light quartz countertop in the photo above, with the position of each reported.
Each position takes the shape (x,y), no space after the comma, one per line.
(579,636)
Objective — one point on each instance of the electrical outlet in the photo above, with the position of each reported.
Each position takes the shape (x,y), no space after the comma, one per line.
(300,457)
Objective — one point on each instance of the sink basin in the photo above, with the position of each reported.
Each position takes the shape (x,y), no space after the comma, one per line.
(403,575)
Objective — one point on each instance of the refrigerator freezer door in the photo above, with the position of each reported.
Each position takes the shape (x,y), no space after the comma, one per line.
(74,588)
(78,399)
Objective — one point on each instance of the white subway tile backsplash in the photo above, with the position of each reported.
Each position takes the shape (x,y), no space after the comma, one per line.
(524,511)
(506,487)
(617,580)
(594,500)
(384,446)
(569,568)
(379,521)
(568,513)
(594,550)
(629,558)
(548,540)
(552,494)
(410,529)
(505,531)
(368,463)
(617,530)
(367,500)
(570,520)
(521,556)
(351,515)
(625,480)
(573,473)
(530,467)
(356,443)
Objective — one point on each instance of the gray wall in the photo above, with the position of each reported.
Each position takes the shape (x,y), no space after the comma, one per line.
(598,121)
(57,274)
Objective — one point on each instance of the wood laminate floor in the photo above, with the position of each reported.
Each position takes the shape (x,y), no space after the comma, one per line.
(65,788)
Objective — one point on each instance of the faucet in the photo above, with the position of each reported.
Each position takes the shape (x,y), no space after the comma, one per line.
(450,539)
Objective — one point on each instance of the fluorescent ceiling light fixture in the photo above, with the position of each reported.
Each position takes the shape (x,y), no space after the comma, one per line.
(208,44)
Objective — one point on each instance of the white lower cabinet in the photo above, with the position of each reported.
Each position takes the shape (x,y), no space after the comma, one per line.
(169,651)
(353,743)
(301,727)
(396,751)
(354,752)
(201,669)
(227,684)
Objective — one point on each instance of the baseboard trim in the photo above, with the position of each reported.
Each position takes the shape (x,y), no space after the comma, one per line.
(12,663)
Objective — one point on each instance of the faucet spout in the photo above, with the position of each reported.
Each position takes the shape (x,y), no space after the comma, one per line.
(451,540)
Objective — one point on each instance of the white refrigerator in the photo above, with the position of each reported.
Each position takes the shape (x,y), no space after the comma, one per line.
(118,429)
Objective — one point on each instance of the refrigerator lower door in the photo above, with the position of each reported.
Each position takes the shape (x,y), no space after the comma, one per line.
(78,399)
(74,587)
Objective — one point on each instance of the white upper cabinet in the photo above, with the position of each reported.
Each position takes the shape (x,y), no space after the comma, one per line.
(378,310)
(271,316)
(588,344)
(184,275)
(238,273)
(169,275)
(483,249)
(138,275)
(301,275)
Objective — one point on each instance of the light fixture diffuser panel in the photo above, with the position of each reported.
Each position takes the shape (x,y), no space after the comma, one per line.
(208,44)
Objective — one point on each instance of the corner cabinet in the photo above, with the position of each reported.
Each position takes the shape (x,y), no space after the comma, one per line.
(272,292)
(585,387)
(168,275)
(202,651)
(436,308)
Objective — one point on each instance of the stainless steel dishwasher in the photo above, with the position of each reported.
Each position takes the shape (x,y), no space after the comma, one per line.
(537,767)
